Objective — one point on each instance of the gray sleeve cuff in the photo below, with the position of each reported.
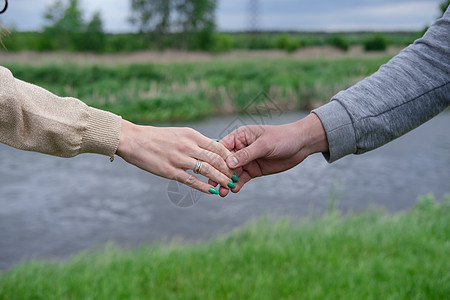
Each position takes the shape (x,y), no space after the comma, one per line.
(339,128)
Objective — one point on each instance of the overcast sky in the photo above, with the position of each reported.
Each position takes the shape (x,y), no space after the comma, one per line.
(329,15)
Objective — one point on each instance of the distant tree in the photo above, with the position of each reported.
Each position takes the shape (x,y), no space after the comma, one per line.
(94,36)
(193,21)
(66,28)
(196,15)
(196,19)
(152,15)
(65,24)
(65,19)
(54,12)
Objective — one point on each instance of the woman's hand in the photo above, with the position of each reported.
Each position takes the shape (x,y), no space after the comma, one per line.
(170,151)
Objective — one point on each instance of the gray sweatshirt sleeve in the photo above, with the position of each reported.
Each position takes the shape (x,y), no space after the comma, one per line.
(409,90)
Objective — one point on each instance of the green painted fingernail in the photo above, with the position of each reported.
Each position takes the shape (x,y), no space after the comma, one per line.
(215,140)
(213,191)
(235,178)
(231,185)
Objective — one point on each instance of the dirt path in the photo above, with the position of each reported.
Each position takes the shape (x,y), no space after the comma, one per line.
(170,56)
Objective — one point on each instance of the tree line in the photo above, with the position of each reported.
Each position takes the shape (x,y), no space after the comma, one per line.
(184,24)
(179,24)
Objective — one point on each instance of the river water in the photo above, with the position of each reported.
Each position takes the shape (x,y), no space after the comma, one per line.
(54,207)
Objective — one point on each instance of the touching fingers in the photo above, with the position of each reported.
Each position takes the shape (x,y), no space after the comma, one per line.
(213,146)
(212,173)
(222,191)
(208,158)
(244,177)
(215,161)
(193,182)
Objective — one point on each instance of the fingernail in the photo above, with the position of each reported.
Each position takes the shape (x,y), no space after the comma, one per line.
(213,191)
(231,185)
(235,178)
(215,140)
(232,161)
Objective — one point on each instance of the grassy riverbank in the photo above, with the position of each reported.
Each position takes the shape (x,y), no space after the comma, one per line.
(187,91)
(364,256)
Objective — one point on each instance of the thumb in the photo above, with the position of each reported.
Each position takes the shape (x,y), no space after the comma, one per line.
(245,155)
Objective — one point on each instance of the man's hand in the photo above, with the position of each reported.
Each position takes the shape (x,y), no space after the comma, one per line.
(264,150)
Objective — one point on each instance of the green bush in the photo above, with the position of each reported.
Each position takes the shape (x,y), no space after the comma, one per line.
(259,41)
(340,41)
(202,40)
(222,43)
(376,42)
(293,46)
(283,41)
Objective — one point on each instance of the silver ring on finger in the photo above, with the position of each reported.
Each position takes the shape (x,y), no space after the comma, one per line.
(198,166)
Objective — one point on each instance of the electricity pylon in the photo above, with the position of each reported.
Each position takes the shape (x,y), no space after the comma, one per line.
(253,16)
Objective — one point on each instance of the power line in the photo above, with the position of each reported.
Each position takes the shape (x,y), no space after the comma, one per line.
(253,16)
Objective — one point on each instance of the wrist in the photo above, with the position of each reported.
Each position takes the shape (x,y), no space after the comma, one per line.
(312,135)
(126,133)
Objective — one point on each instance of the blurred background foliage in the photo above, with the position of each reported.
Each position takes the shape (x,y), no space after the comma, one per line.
(150,93)
(147,93)
(178,24)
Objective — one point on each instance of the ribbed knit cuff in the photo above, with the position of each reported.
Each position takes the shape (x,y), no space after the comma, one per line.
(102,132)
(339,128)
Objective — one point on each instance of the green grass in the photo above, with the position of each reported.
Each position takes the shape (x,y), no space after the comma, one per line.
(187,91)
(371,255)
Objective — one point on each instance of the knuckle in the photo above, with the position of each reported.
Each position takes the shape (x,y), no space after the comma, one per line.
(223,151)
(206,170)
(190,180)
(178,176)
(225,170)
(208,155)
(244,130)
(233,133)
(189,132)
(215,159)
(188,148)
(220,164)
(175,159)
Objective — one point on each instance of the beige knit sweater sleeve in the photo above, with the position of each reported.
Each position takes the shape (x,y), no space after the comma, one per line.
(34,119)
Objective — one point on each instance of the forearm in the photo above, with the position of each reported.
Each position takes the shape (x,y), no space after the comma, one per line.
(406,92)
(34,119)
